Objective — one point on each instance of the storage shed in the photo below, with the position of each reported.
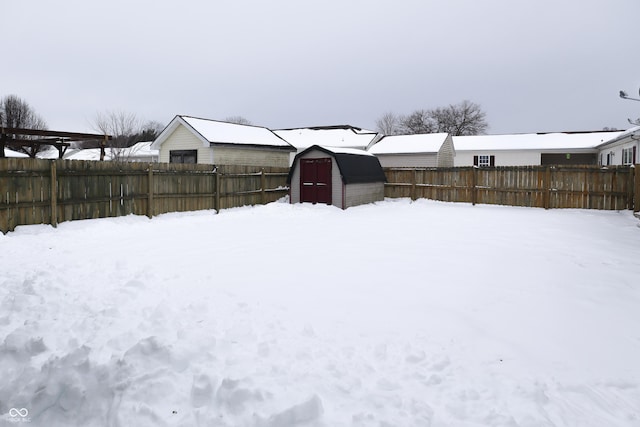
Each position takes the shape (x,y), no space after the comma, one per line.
(342,177)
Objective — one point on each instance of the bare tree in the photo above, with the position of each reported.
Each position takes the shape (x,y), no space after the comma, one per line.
(388,124)
(465,118)
(239,120)
(17,113)
(123,126)
(419,121)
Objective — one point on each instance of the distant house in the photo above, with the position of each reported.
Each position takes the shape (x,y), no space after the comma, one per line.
(193,140)
(562,148)
(15,154)
(421,150)
(622,149)
(343,177)
(340,136)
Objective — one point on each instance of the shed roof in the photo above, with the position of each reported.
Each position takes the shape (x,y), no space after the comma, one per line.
(328,136)
(356,166)
(214,132)
(410,144)
(534,141)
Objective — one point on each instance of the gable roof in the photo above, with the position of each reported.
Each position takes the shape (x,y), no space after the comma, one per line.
(410,144)
(356,166)
(214,132)
(534,141)
(632,133)
(328,136)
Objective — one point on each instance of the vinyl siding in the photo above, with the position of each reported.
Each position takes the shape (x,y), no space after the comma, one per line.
(359,194)
(184,139)
(616,150)
(251,156)
(446,153)
(408,160)
(503,157)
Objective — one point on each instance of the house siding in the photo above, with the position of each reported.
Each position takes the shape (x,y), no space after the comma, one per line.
(184,139)
(446,153)
(502,157)
(251,156)
(615,152)
(421,160)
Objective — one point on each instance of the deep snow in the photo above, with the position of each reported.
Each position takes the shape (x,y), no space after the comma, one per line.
(394,314)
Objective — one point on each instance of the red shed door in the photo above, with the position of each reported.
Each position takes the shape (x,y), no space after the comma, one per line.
(315,180)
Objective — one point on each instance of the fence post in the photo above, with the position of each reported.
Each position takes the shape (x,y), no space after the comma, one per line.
(216,174)
(150,193)
(474,185)
(263,184)
(54,195)
(413,183)
(636,189)
(547,183)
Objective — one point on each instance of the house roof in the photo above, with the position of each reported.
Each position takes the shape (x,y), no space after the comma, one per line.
(534,141)
(328,136)
(409,144)
(356,166)
(11,153)
(214,132)
(632,133)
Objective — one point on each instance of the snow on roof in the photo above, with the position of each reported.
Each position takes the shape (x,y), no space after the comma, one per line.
(48,153)
(231,133)
(342,150)
(329,136)
(629,133)
(87,154)
(405,144)
(140,149)
(11,153)
(533,141)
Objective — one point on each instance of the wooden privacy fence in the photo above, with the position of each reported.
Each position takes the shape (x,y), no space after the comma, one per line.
(583,187)
(36,191)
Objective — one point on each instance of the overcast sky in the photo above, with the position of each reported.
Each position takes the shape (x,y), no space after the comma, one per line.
(533,65)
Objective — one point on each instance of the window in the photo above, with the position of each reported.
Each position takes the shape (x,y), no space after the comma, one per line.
(484,161)
(183,156)
(629,156)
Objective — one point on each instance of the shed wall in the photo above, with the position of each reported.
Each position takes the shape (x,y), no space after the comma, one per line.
(336,179)
(359,194)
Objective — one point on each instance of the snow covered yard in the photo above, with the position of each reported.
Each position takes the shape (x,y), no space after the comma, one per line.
(393,314)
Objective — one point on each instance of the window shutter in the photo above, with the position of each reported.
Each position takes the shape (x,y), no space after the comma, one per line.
(634,155)
(475,160)
(492,161)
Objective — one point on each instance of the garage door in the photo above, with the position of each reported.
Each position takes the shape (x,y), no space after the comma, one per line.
(315,180)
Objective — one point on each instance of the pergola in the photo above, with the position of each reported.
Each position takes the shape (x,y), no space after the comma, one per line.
(9,137)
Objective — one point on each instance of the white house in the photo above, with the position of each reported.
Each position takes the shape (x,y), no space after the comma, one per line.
(340,136)
(194,140)
(420,150)
(530,149)
(622,149)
